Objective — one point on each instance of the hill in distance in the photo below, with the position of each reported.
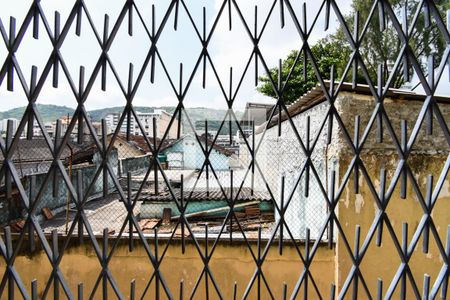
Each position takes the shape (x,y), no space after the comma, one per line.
(49,112)
(197,115)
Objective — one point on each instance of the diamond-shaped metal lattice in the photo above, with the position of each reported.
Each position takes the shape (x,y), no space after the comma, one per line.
(155,22)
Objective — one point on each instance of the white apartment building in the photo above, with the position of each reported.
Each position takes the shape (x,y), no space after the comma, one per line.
(162,121)
(4,125)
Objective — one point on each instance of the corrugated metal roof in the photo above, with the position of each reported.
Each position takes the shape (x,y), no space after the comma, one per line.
(215,194)
(37,150)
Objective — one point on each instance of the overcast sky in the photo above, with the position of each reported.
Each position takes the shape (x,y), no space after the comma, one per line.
(227,49)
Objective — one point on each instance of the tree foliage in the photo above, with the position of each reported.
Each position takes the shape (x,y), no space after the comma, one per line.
(378,47)
(326,54)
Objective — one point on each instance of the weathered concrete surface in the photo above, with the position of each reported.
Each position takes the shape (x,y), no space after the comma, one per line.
(429,155)
(228,264)
(360,209)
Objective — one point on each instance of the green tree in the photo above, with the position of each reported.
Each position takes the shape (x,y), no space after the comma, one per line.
(383,46)
(326,54)
(378,46)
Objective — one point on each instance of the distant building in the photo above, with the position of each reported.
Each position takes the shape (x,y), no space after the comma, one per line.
(136,145)
(35,157)
(223,140)
(162,119)
(32,160)
(254,115)
(4,125)
(134,153)
(186,153)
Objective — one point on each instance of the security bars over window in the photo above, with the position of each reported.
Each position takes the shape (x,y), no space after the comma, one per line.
(283,182)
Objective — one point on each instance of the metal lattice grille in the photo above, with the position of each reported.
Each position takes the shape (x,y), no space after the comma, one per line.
(308,162)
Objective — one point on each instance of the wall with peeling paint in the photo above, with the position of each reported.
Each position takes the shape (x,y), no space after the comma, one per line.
(428,157)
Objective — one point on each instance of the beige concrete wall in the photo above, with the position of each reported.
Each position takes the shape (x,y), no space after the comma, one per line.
(164,122)
(228,264)
(124,150)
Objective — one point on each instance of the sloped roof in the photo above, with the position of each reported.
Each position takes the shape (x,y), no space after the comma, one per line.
(316,96)
(139,142)
(37,149)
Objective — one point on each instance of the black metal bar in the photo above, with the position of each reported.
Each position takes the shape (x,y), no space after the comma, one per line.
(253,154)
(259,262)
(104,256)
(382,198)
(426,287)
(332,200)
(429,119)
(32,185)
(307,256)
(330,115)
(36,23)
(356,254)
(12,37)
(426,230)
(280,74)
(8,179)
(356,143)
(256,49)
(130,224)
(405,30)
(280,241)
(56,56)
(308,148)
(332,291)
(79,180)
(380,94)
(34,290)
(55,257)
(152,66)
(80,291)
(156,256)
(405,252)
(130,18)
(207,256)
(132,289)
(155,156)
(183,209)
(406,61)
(281,13)
(229,15)
(356,38)
(207,158)
(404,134)
(231,208)
(79,19)
(379,289)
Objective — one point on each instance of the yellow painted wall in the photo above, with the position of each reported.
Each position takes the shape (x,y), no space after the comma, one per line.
(229,263)
(383,262)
